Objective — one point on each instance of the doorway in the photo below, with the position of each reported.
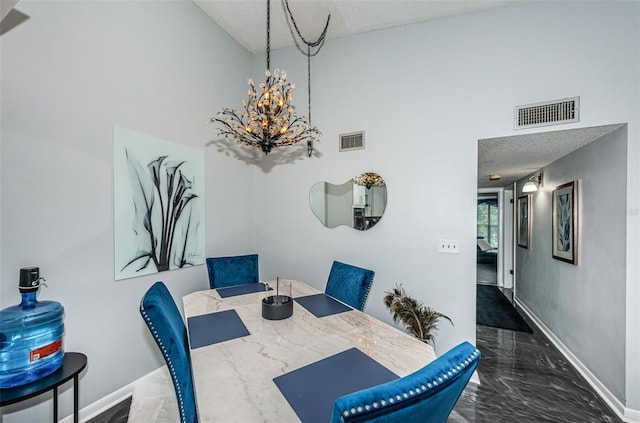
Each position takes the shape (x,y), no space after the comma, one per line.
(494,243)
(487,238)
(504,160)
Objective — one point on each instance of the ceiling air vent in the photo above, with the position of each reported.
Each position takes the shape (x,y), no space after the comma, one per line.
(554,112)
(352,141)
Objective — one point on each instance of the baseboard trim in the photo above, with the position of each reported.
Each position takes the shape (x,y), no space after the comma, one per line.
(628,415)
(104,403)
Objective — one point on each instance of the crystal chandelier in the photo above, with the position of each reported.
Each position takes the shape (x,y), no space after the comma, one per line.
(267,119)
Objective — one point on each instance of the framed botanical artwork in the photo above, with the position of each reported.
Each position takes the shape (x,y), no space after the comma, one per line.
(159,214)
(523,221)
(564,223)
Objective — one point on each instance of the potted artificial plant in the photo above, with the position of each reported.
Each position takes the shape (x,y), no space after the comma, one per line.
(419,320)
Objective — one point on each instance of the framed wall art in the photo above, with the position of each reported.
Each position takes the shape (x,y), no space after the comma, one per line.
(523,221)
(159,221)
(564,223)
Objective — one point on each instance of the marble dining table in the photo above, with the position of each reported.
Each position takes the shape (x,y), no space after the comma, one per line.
(234,378)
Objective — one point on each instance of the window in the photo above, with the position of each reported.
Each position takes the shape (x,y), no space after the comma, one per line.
(488,220)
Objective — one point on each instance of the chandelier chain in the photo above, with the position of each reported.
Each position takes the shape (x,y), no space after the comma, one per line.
(268,34)
(319,43)
(309,82)
(320,39)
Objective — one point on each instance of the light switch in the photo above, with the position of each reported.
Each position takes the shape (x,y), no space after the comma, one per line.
(449,246)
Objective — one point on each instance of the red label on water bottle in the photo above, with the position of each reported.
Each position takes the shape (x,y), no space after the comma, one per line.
(42,352)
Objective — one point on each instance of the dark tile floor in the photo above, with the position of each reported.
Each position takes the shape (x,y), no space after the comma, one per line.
(524,378)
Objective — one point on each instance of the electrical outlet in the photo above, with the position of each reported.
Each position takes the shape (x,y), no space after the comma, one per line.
(449,246)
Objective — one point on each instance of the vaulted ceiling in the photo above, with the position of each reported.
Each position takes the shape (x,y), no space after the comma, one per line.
(245,20)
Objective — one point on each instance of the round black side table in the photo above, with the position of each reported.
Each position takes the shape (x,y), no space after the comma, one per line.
(73,364)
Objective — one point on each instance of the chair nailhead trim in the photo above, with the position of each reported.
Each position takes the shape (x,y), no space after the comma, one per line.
(420,389)
(165,354)
(368,289)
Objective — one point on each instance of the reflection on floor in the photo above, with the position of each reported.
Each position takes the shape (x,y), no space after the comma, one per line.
(525,379)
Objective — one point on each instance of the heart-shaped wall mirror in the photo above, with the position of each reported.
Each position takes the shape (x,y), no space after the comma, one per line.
(358,203)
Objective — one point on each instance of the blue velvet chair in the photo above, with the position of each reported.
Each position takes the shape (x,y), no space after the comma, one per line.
(231,271)
(427,395)
(165,323)
(349,284)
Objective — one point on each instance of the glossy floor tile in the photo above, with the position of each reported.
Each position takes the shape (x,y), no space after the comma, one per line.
(525,379)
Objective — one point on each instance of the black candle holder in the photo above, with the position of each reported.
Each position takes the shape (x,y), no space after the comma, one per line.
(277,307)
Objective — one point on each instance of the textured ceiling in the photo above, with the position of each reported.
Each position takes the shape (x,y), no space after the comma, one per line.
(517,156)
(245,20)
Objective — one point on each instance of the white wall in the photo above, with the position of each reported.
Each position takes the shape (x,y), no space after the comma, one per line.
(583,304)
(425,94)
(70,73)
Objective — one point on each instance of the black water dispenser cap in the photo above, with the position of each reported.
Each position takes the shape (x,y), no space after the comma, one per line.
(29,279)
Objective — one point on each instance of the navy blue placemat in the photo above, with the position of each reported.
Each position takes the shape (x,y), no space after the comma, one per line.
(248,288)
(215,327)
(322,305)
(312,390)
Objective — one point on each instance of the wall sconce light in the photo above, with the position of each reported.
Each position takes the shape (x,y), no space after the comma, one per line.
(533,183)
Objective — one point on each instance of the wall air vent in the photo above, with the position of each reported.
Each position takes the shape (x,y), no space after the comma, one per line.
(352,141)
(554,112)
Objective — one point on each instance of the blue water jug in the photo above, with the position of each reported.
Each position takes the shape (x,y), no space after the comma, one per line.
(31,335)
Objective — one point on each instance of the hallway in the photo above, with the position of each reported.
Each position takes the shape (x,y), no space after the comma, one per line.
(525,379)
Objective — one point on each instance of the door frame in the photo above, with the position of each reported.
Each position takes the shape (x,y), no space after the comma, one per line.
(505,237)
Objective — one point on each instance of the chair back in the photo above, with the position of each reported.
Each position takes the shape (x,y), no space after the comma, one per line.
(349,284)
(231,271)
(427,395)
(165,323)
